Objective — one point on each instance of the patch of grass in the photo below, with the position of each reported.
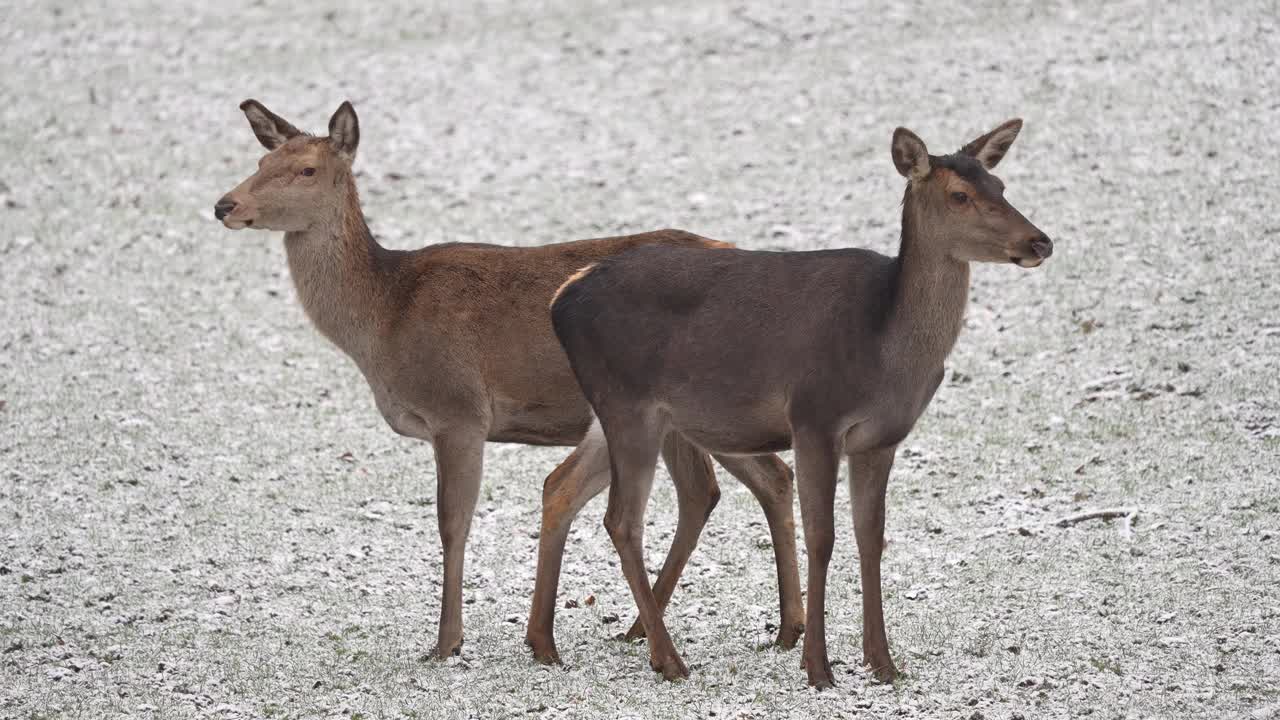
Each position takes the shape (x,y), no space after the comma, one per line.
(980,645)
(1103,664)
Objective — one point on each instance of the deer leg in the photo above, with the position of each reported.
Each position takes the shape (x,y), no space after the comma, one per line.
(817,463)
(696,494)
(459,467)
(633,455)
(770,480)
(568,488)
(868,480)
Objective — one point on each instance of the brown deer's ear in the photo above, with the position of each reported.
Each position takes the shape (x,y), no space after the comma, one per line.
(271,129)
(344,131)
(990,148)
(910,155)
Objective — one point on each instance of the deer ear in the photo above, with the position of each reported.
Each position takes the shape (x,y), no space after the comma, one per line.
(344,131)
(271,129)
(910,155)
(990,148)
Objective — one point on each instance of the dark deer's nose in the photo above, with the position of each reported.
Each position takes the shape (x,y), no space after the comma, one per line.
(223,208)
(1042,246)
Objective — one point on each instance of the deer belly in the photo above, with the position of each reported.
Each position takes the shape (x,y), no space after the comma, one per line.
(538,423)
(741,431)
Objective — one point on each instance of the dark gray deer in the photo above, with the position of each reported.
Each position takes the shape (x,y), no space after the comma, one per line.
(831,352)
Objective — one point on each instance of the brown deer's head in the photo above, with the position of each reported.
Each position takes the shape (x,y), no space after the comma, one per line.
(301,181)
(956,200)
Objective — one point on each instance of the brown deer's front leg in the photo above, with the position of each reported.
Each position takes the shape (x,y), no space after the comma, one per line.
(567,489)
(868,480)
(459,468)
(817,464)
(771,481)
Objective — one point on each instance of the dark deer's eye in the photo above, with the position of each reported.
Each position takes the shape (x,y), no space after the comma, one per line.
(959,198)
(308,171)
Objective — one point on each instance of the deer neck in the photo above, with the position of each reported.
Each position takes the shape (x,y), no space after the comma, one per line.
(339,272)
(929,296)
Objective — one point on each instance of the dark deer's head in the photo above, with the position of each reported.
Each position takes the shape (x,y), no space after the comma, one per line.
(301,181)
(956,200)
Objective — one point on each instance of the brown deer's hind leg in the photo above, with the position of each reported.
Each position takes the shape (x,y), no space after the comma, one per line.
(633,454)
(771,481)
(696,496)
(459,467)
(868,480)
(567,490)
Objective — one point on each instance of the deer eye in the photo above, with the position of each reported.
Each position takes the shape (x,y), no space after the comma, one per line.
(959,198)
(308,172)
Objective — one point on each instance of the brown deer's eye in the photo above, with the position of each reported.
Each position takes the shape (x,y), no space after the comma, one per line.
(959,198)
(308,171)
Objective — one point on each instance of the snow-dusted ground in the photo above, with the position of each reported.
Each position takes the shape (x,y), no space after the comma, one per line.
(201,513)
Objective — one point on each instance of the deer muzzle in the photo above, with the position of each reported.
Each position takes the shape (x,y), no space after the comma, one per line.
(1038,248)
(223,208)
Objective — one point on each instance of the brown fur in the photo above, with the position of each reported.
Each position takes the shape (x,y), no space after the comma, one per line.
(456,344)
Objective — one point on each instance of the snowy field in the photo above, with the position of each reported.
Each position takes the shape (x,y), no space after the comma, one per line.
(203,515)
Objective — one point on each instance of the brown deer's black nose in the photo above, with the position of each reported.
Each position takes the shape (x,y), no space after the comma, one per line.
(1042,246)
(223,208)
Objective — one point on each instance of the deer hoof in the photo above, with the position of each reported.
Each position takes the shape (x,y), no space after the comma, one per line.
(819,671)
(444,651)
(672,668)
(544,651)
(882,670)
(789,635)
(636,632)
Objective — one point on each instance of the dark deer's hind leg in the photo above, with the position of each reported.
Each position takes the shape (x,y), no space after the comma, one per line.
(696,494)
(634,444)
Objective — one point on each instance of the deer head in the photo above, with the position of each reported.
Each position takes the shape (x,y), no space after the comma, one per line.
(957,202)
(301,181)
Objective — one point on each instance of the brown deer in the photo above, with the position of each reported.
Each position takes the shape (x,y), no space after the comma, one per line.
(456,344)
(830,352)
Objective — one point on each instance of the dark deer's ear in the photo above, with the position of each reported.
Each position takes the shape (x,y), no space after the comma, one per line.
(990,148)
(910,155)
(271,129)
(344,131)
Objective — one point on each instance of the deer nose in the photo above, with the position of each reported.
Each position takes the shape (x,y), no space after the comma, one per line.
(223,208)
(1042,246)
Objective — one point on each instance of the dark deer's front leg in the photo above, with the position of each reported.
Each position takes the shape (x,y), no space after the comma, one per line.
(771,481)
(459,468)
(868,480)
(817,463)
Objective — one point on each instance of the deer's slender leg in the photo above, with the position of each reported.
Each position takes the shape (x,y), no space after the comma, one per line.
(459,466)
(633,455)
(568,488)
(770,480)
(696,494)
(817,464)
(868,479)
